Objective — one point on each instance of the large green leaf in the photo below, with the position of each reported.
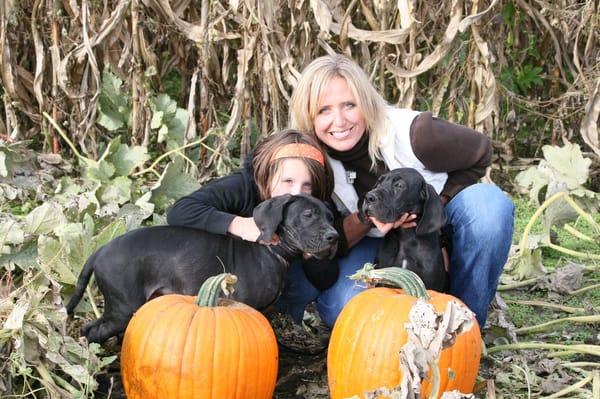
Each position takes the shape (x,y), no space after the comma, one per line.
(567,164)
(173,183)
(135,214)
(77,238)
(44,219)
(101,171)
(114,110)
(25,257)
(113,230)
(53,257)
(117,191)
(126,159)
(11,233)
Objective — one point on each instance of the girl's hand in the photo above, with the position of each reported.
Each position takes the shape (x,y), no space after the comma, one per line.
(247,230)
(406,221)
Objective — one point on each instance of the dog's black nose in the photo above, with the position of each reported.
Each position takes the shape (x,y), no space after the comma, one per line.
(370,197)
(331,236)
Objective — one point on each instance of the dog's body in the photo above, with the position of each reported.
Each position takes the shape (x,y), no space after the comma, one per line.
(418,249)
(154,261)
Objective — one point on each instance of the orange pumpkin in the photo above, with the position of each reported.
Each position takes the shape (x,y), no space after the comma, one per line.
(178,346)
(365,344)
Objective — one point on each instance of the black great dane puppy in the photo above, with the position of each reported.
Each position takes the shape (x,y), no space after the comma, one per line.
(418,249)
(153,261)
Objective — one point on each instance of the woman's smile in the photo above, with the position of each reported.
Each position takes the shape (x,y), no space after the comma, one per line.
(339,122)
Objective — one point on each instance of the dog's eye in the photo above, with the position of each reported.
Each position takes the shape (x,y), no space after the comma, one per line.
(400,184)
(329,217)
(308,213)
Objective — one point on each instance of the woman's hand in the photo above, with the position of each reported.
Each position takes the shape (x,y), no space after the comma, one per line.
(406,221)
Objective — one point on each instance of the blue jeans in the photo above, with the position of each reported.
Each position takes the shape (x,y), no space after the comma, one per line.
(482,217)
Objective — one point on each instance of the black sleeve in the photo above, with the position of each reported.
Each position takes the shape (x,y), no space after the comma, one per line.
(214,205)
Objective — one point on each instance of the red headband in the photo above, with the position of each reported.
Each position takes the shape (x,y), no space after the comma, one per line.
(298,150)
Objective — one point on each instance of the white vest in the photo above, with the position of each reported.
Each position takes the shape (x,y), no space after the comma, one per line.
(396,151)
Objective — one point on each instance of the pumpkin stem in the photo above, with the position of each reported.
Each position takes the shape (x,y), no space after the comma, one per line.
(395,276)
(209,291)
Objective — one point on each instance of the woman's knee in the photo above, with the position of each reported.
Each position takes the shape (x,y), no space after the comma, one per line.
(483,211)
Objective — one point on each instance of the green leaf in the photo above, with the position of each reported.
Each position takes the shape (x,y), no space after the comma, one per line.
(176,128)
(126,159)
(135,214)
(527,77)
(113,230)
(114,111)
(109,118)
(533,181)
(527,265)
(54,260)
(173,183)
(157,119)
(163,103)
(77,237)
(117,191)
(568,164)
(44,219)
(11,233)
(25,257)
(100,171)
(508,13)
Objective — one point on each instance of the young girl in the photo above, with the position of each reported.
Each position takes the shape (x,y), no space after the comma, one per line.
(364,137)
(288,162)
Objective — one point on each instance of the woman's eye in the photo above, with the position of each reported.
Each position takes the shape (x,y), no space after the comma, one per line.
(349,105)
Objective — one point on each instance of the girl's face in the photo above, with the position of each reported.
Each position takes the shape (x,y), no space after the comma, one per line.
(292,177)
(339,123)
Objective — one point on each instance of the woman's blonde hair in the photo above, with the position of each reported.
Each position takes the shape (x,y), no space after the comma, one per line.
(266,167)
(305,98)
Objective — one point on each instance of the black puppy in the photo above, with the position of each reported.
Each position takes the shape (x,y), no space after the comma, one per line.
(154,261)
(418,249)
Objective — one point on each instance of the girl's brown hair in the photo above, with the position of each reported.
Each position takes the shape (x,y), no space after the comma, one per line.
(265,167)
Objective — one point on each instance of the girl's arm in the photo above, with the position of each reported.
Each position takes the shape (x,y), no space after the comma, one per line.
(216,205)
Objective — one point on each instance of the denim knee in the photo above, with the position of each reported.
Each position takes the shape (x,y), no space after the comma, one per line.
(297,293)
(482,217)
(331,301)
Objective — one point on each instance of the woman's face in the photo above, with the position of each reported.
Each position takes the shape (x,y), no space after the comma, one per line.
(292,177)
(339,122)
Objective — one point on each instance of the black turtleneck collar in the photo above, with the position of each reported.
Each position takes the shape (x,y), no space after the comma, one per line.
(358,165)
(360,150)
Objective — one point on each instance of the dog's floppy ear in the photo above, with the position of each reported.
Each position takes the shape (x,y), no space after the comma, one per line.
(434,216)
(269,214)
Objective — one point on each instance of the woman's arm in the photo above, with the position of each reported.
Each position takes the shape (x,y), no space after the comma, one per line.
(447,147)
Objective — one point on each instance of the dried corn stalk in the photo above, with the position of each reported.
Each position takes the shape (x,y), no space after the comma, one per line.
(238,62)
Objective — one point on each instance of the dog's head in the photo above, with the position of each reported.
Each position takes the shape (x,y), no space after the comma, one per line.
(304,224)
(404,190)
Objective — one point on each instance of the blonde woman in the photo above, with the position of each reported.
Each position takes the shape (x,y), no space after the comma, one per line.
(364,137)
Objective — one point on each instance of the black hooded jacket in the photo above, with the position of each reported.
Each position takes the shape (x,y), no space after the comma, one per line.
(213,207)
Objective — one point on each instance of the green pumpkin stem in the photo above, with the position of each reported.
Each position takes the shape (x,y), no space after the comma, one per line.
(211,288)
(395,276)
